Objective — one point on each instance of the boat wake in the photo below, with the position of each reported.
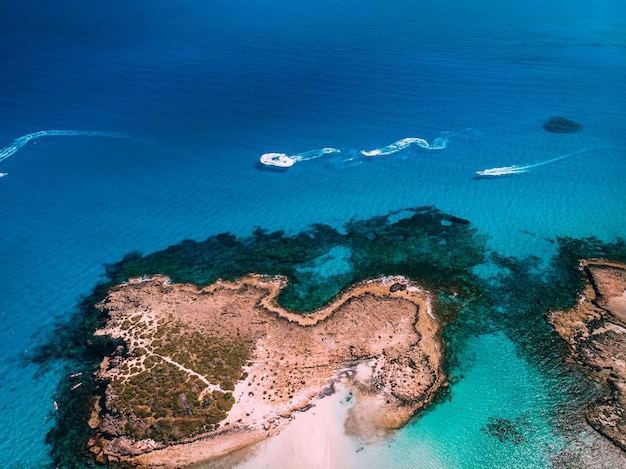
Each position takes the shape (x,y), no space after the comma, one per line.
(439,144)
(18,143)
(285,161)
(504,170)
(523,168)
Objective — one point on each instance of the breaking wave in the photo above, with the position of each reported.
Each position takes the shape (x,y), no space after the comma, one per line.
(523,168)
(18,143)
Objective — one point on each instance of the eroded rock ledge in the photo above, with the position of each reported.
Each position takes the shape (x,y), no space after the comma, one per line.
(194,374)
(596,332)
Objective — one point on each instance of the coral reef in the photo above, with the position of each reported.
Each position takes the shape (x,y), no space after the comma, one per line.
(436,249)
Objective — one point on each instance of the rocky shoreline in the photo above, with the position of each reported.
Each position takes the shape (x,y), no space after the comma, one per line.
(595,330)
(196,373)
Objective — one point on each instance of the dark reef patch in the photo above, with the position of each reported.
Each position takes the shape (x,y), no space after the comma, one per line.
(561,125)
(521,298)
(428,246)
(515,302)
(434,249)
(507,429)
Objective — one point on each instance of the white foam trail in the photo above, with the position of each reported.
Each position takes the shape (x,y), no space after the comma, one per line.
(439,144)
(504,170)
(283,160)
(517,168)
(311,155)
(21,141)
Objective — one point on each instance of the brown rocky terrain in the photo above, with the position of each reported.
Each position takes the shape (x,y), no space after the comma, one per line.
(596,332)
(194,374)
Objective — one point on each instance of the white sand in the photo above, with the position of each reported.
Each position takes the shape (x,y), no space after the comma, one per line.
(314,440)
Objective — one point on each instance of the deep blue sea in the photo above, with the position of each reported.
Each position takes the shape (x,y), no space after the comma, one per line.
(165,108)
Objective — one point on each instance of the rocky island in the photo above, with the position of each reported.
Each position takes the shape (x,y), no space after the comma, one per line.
(595,330)
(192,374)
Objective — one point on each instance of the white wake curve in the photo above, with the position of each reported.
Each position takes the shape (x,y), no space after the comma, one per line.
(439,144)
(285,161)
(523,168)
(21,141)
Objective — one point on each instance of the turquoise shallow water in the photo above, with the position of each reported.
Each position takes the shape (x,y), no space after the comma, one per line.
(496,383)
(199,92)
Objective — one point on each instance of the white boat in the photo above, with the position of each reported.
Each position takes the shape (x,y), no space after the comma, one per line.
(277,159)
(503,171)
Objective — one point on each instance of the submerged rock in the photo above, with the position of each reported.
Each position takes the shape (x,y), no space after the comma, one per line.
(561,125)
(506,429)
